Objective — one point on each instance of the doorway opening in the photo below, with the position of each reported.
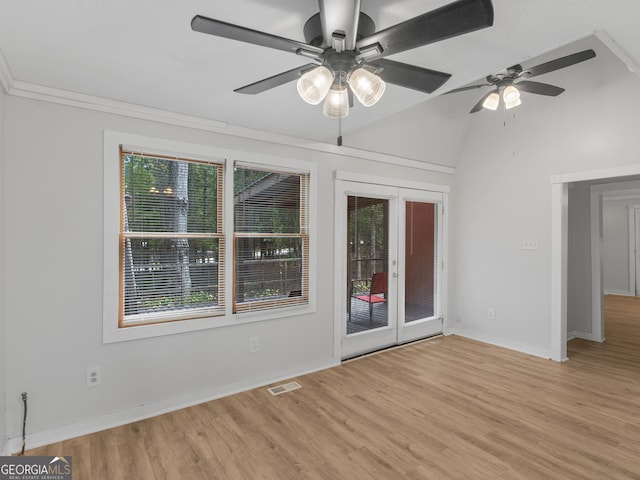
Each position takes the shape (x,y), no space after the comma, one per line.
(577,283)
(389,265)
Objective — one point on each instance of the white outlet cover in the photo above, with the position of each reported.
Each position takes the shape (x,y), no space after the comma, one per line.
(94,377)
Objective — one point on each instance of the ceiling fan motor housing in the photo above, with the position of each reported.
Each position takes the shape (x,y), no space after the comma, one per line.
(313,29)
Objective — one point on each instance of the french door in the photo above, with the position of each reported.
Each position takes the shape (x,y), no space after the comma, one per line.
(388,241)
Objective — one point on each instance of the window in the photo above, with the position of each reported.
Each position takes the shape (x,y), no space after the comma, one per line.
(171,240)
(271,238)
(194,241)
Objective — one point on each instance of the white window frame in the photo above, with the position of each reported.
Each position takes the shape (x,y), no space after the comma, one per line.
(303,235)
(111,286)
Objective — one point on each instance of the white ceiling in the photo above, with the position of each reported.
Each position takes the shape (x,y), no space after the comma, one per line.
(144,52)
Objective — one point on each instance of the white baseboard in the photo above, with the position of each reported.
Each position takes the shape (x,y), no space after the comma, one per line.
(624,293)
(501,342)
(584,336)
(116,419)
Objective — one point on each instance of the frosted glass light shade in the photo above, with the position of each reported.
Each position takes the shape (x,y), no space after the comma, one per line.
(511,97)
(492,101)
(366,86)
(336,103)
(314,85)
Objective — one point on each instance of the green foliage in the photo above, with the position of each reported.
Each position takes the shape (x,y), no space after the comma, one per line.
(150,186)
(195,299)
(367,238)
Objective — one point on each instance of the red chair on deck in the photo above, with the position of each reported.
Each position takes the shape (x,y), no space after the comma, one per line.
(377,293)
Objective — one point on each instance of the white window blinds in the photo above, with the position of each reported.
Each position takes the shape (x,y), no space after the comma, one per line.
(171,239)
(271,238)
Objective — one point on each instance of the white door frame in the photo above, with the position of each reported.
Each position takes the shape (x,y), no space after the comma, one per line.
(339,258)
(375,338)
(428,326)
(633,251)
(597,282)
(559,251)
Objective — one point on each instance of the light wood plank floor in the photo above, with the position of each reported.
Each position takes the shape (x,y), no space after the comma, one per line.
(448,408)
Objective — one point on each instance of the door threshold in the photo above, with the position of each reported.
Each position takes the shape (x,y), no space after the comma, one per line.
(391,347)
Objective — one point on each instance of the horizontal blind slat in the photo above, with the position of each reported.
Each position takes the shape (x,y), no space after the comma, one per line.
(171,239)
(270,240)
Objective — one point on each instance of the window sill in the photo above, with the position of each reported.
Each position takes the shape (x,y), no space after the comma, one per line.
(136,332)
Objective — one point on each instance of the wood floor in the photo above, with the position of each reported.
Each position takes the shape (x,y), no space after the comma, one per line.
(448,408)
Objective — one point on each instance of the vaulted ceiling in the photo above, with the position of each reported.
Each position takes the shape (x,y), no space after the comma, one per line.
(144,53)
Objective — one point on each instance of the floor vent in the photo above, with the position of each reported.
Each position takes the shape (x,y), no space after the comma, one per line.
(287,387)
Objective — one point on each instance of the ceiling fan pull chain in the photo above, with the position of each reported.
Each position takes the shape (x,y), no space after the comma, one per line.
(339,139)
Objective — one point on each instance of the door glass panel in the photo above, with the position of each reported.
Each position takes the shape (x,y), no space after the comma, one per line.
(420,261)
(367,260)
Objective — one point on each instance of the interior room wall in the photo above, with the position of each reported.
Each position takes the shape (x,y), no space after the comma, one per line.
(502,195)
(431,132)
(579,287)
(614,231)
(3,401)
(54,234)
(615,246)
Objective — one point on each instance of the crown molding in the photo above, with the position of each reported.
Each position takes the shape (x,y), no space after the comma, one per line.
(32,91)
(617,50)
(91,102)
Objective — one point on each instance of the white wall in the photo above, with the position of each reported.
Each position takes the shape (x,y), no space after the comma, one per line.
(503,195)
(579,287)
(3,401)
(615,246)
(54,235)
(431,132)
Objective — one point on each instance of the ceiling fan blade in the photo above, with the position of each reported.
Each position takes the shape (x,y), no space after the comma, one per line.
(411,76)
(457,18)
(464,89)
(248,35)
(276,80)
(342,16)
(478,106)
(539,88)
(561,62)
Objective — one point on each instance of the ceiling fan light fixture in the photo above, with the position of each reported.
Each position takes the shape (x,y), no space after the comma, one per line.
(492,101)
(314,85)
(336,103)
(366,86)
(511,97)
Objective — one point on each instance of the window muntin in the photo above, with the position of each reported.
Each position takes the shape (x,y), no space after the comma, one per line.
(271,238)
(171,243)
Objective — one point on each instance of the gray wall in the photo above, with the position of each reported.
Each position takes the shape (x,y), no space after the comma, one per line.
(54,237)
(615,246)
(3,400)
(432,132)
(503,196)
(579,288)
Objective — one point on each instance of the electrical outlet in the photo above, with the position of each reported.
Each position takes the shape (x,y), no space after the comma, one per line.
(254,344)
(491,314)
(94,377)
(530,244)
